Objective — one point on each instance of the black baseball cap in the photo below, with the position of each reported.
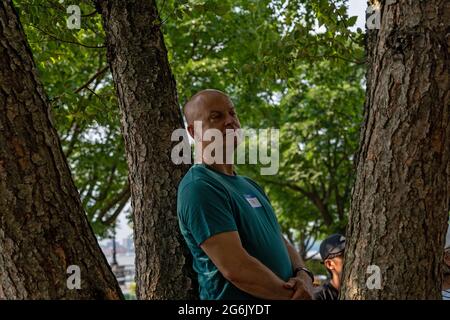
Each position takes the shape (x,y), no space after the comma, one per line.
(332,246)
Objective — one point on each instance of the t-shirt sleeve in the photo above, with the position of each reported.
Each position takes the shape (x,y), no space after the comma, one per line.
(205,210)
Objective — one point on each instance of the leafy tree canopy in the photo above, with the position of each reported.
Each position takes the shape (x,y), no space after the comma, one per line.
(291,65)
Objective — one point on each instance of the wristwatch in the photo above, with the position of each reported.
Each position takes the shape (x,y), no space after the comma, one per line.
(310,274)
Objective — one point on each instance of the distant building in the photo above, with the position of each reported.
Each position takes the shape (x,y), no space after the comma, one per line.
(128,244)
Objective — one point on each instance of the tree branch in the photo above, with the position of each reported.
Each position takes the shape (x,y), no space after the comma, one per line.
(104,192)
(311,195)
(67,41)
(99,72)
(88,194)
(125,193)
(76,132)
(118,210)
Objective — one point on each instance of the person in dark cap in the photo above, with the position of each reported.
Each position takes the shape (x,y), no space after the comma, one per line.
(332,254)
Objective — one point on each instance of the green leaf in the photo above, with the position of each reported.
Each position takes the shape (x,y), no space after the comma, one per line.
(352,21)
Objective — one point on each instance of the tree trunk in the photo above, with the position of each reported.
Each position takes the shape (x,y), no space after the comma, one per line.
(400,200)
(43,227)
(149,114)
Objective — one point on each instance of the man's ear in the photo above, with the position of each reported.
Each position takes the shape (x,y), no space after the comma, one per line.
(447,258)
(190,129)
(197,136)
(329,264)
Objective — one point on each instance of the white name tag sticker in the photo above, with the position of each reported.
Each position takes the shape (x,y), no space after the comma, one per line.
(254,202)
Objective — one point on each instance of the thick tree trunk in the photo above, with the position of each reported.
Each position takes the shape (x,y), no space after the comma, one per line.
(43,227)
(400,201)
(149,114)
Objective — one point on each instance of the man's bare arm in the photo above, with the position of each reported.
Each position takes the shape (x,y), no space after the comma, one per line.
(244,271)
(296,259)
(301,282)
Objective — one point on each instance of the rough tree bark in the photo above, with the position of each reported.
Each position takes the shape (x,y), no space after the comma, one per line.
(400,201)
(43,227)
(149,114)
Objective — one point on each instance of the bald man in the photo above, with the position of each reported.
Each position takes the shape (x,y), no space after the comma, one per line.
(228,222)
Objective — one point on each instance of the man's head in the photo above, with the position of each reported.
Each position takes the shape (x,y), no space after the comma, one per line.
(332,254)
(212,109)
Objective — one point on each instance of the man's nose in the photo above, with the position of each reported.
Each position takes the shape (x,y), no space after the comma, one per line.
(230,121)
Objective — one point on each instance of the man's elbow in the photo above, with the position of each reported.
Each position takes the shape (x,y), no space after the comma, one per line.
(231,274)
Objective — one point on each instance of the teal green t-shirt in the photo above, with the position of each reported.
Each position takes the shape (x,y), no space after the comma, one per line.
(210,202)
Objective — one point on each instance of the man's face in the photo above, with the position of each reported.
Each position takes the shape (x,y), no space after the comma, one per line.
(335,264)
(447,262)
(217,112)
(339,264)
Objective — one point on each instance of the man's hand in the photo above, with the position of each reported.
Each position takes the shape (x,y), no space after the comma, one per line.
(241,269)
(302,286)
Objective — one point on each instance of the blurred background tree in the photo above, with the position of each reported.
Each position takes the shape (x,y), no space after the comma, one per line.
(292,65)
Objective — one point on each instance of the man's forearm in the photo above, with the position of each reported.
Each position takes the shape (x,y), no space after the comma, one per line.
(259,281)
(296,259)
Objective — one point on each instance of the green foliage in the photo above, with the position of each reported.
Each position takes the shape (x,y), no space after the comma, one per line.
(319,133)
(317,268)
(282,71)
(292,65)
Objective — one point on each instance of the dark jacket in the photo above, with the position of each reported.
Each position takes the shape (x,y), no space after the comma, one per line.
(327,292)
